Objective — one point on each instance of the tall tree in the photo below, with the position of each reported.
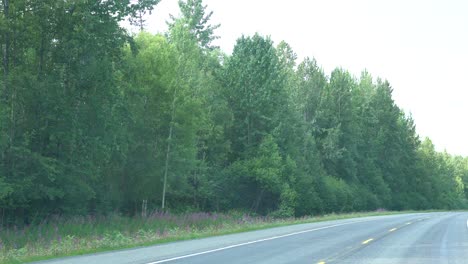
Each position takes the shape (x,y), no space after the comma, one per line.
(60,64)
(254,88)
(337,128)
(194,17)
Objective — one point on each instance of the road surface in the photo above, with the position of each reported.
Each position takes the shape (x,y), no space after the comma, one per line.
(409,238)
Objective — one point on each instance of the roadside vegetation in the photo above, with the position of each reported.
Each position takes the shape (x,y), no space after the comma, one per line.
(95,120)
(59,236)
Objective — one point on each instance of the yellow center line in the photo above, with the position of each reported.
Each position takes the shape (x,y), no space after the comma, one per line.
(367,241)
(393,229)
(321,262)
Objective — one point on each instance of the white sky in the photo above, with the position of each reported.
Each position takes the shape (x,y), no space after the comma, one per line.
(420,46)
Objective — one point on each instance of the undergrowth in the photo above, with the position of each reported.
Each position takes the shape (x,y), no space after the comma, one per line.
(59,236)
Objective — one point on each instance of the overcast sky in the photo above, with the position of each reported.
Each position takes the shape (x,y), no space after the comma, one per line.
(420,46)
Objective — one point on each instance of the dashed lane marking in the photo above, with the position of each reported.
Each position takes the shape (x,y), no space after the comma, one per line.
(254,242)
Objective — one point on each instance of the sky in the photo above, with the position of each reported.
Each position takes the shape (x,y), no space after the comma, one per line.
(419,46)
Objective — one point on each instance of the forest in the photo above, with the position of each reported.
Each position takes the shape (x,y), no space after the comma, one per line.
(96,120)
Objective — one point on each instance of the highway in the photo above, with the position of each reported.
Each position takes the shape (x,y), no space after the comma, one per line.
(440,237)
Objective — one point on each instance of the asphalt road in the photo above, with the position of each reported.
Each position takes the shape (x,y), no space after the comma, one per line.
(409,238)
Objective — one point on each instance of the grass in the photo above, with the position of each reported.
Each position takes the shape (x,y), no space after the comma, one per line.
(58,237)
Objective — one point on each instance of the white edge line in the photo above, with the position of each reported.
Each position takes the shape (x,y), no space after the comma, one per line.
(466,223)
(256,241)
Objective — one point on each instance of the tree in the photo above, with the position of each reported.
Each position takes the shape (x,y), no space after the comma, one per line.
(254,90)
(93,120)
(337,129)
(195,19)
(312,82)
(58,112)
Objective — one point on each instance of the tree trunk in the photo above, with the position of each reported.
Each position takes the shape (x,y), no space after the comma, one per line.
(41,55)
(248,130)
(166,166)
(144,208)
(6,47)
(168,150)
(7,95)
(258,200)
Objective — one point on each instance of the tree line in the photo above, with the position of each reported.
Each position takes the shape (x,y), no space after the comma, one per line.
(95,120)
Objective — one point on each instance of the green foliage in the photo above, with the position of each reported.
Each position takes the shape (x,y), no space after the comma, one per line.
(193,18)
(254,89)
(94,121)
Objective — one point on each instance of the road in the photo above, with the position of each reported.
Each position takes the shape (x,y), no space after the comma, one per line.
(408,238)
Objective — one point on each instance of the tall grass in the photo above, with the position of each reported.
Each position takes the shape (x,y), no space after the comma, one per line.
(60,236)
